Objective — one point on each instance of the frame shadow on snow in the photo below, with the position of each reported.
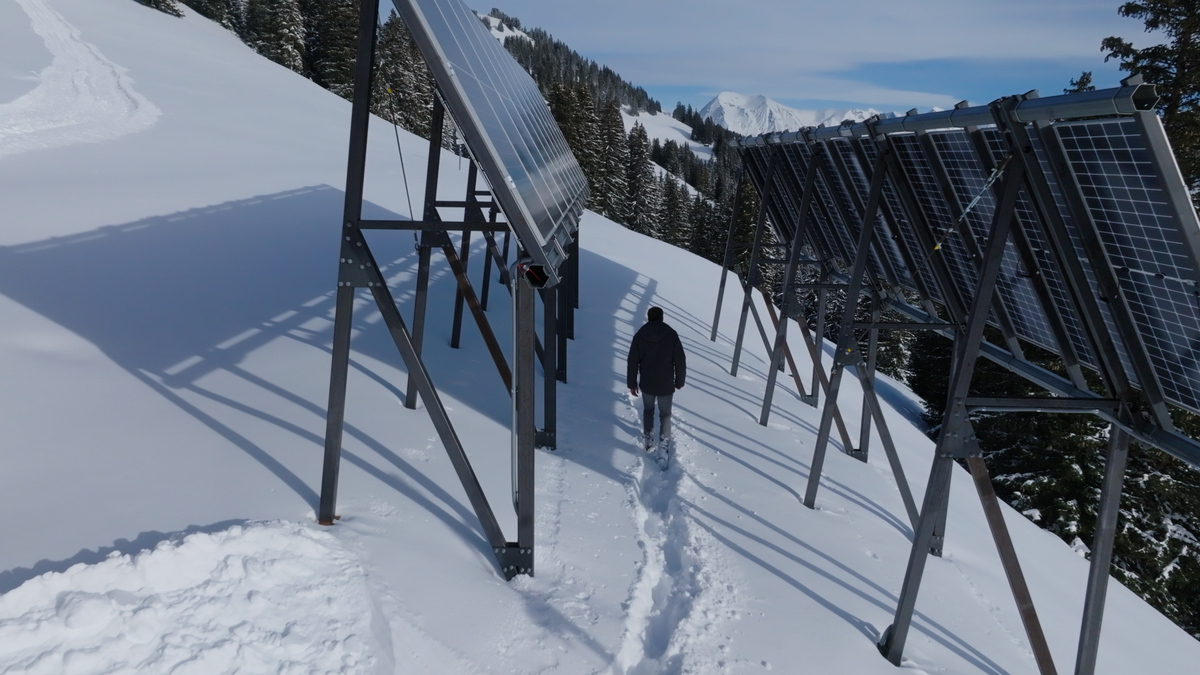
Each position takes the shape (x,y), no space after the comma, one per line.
(173,299)
(176,299)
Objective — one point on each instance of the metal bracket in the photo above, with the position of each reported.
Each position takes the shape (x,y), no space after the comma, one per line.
(514,560)
(545,439)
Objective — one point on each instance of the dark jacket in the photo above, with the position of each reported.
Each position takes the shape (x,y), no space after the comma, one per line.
(656,359)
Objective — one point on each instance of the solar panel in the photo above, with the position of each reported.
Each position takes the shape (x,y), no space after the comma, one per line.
(966,176)
(1150,239)
(905,228)
(506,124)
(1146,242)
(937,213)
(862,184)
(1047,264)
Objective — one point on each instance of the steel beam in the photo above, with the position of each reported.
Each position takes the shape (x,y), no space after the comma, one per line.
(847,350)
(727,260)
(424,252)
(523,409)
(1102,549)
(356,168)
(752,268)
(956,431)
(789,293)
(1012,566)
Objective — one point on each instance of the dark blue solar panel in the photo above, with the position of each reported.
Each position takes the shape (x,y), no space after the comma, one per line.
(937,214)
(851,211)
(828,237)
(1029,222)
(506,123)
(1065,213)
(907,235)
(885,236)
(967,179)
(1141,234)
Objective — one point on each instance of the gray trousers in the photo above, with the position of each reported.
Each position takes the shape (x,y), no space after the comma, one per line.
(664,415)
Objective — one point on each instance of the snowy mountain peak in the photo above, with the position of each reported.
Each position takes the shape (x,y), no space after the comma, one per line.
(756,114)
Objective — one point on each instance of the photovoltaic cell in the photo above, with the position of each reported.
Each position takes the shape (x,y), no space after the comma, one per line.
(1103,200)
(506,123)
(967,179)
(1047,264)
(937,213)
(908,236)
(1142,238)
(886,239)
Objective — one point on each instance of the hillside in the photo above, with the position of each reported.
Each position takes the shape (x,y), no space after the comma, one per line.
(166,290)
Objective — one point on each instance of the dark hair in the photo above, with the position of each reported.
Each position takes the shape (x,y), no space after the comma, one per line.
(654,314)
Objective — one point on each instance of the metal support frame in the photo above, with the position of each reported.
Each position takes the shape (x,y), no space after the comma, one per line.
(523,400)
(752,271)
(358,269)
(956,439)
(789,293)
(1043,240)
(727,260)
(847,352)
(1102,548)
(547,435)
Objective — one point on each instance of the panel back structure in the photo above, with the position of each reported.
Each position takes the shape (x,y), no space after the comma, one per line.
(1061,224)
(537,186)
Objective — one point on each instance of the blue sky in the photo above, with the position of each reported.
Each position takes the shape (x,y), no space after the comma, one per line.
(891,55)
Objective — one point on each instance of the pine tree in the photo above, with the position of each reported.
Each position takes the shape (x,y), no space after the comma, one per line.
(276,30)
(1084,83)
(612,195)
(673,221)
(228,13)
(164,6)
(573,109)
(643,188)
(1174,66)
(403,85)
(331,40)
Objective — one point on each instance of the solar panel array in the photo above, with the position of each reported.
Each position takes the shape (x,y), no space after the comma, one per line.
(1099,169)
(507,125)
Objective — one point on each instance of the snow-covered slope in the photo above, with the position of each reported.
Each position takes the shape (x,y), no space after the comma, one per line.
(666,128)
(166,298)
(501,30)
(757,114)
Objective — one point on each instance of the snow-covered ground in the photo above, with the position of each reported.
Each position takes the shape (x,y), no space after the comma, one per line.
(165,313)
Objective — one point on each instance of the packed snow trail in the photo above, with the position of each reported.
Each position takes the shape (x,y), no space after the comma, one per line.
(82,97)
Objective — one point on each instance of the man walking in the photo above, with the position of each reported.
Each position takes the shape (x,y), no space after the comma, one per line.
(656,360)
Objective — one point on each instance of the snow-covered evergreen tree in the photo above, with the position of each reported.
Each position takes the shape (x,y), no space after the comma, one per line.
(643,188)
(164,6)
(673,218)
(612,194)
(403,86)
(229,13)
(331,43)
(574,110)
(275,29)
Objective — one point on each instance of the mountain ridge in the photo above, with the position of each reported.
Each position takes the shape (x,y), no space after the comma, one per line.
(751,115)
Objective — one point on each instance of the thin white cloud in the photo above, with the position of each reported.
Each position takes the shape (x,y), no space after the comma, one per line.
(791,49)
